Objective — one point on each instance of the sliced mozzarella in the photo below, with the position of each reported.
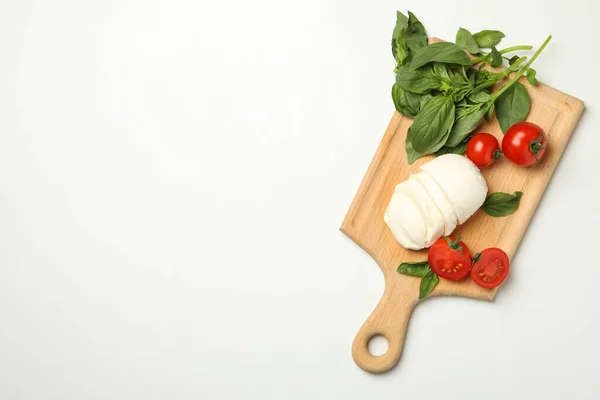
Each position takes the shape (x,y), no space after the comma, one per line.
(405,221)
(434,223)
(439,199)
(461,181)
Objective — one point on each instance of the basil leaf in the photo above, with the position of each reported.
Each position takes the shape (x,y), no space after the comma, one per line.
(488,114)
(496,58)
(479,97)
(432,125)
(440,52)
(513,60)
(466,41)
(401,24)
(502,204)
(458,80)
(399,51)
(471,76)
(531,77)
(487,38)
(415,36)
(460,149)
(441,70)
(420,81)
(406,103)
(411,154)
(399,48)
(467,120)
(419,268)
(512,106)
(425,98)
(428,282)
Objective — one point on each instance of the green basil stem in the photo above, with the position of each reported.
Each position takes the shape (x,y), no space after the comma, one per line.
(513,68)
(504,51)
(516,48)
(521,72)
(519,61)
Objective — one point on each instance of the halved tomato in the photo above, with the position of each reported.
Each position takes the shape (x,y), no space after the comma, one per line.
(491,269)
(450,258)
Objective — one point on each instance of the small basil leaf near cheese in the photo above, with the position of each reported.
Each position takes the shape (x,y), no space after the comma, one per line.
(428,283)
(444,52)
(466,41)
(512,106)
(488,38)
(501,204)
(432,125)
(419,268)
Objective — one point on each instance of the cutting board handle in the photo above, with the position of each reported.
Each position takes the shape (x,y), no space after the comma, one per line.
(390,320)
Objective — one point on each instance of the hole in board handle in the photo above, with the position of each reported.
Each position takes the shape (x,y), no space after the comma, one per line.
(378,345)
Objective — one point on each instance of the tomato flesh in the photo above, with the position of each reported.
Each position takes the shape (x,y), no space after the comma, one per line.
(483,149)
(524,143)
(447,262)
(491,269)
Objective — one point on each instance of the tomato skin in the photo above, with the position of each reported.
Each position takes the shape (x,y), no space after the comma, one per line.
(483,149)
(449,263)
(491,269)
(520,143)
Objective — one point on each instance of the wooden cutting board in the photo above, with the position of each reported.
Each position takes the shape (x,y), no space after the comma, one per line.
(556,112)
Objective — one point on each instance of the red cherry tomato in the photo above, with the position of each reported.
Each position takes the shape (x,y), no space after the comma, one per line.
(450,258)
(483,149)
(491,269)
(524,143)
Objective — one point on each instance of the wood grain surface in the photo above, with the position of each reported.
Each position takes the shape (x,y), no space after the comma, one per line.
(557,113)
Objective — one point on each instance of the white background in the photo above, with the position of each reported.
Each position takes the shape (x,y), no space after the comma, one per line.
(173,175)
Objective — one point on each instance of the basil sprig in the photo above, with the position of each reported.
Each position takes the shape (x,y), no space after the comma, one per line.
(502,204)
(447,93)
